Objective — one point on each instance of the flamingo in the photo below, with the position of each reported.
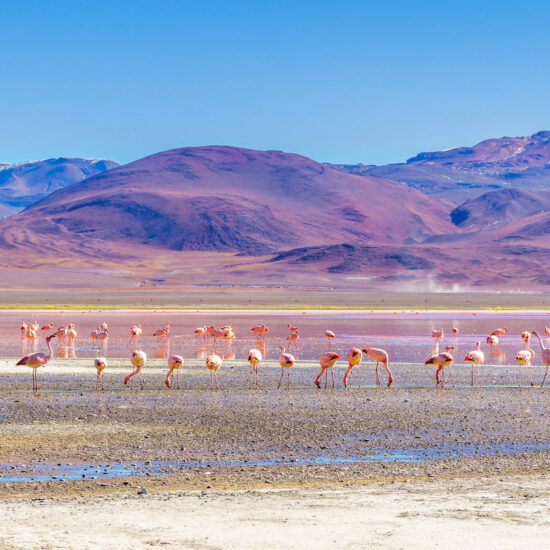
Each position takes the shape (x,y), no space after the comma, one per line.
(259,330)
(71,334)
(380,356)
(355,355)
(100,363)
(293,337)
(47,327)
(104,326)
(327,361)
(476,357)
(31,334)
(286,360)
(213,364)
(329,335)
(524,357)
(547,330)
(200,331)
(292,329)
(254,358)
(35,326)
(23,328)
(138,359)
(437,333)
(492,340)
(545,355)
(135,333)
(36,360)
(174,363)
(525,336)
(454,330)
(499,331)
(441,360)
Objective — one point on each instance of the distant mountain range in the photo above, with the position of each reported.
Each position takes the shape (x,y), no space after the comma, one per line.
(27,182)
(463,173)
(470,217)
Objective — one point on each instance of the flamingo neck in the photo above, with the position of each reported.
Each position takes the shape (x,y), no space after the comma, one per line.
(540,340)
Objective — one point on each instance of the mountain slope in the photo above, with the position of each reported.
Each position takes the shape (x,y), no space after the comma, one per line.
(27,182)
(227,199)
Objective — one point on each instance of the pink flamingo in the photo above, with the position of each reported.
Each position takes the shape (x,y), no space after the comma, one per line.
(47,327)
(524,357)
(259,330)
(437,333)
(213,364)
(329,335)
(476,357)
(545,355)
(293,337)
(355,355)
(547,331)
(254,358)
(135,333)
(23,328)
(499,332)
(138,359)
(292,329)
(525,336)
(200,331)
(286,360)
(380,356)
(36,360)
(99,363)
(492,340)
(442,360)
(104,326)
(31,334)
(174,364)
(454,330)
(327,361)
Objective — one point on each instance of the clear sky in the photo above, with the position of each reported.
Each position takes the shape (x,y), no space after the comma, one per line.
(340,81)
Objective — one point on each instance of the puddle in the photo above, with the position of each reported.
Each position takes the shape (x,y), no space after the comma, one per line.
(51,472)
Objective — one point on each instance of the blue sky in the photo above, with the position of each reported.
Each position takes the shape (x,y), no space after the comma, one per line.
(342,81)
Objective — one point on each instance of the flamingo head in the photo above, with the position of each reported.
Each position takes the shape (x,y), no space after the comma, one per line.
(48,338)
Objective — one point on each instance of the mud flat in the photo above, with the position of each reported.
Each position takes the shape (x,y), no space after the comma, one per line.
(301,468)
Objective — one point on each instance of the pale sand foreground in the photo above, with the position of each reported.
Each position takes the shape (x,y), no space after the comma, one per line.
(505,513)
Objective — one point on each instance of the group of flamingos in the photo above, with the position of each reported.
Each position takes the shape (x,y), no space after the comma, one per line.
(138,358)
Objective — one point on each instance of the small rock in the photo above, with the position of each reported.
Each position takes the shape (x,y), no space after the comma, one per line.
(143,491)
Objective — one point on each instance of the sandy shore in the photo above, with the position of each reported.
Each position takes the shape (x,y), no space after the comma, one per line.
(484,513)
(277,297)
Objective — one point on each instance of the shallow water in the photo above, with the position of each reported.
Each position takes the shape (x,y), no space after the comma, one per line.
(406,336)
(58,472)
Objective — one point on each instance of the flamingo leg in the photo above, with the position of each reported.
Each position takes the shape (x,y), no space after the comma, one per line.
(332,375)
(281,379)
(546,372)
(211,380)
(256,369)
(216,379)
(97,382)
(288,380)
(377,377)
(472,375)
(451,375)
(250,377)
(326,378)
(479,375)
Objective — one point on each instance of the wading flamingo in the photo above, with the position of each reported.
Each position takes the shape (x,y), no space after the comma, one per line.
(327,361)
(544,354)
(286,360)
(138,359)
(355,355)
(524,358)
(380,356)
(100,363)
(454,330)
(329,335)
(213,364)
(293,337)
(47,327)
(547,330)
(476,357)
(492,340)
(23,328)
(442,360)
(36,360)
(104,326)
(525,336)
(292,329)
(174,364)
(437,333)
(259,330)
(135,332)
(499,332)
(200,331)
(254,358)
